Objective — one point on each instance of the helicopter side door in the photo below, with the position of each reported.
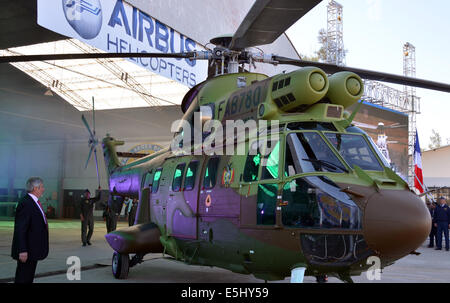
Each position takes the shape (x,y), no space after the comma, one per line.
(144,206)
(260,185)
(217,200)
(158,196)
(185,206)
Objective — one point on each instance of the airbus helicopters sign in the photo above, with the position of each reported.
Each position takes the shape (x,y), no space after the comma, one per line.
(117,27)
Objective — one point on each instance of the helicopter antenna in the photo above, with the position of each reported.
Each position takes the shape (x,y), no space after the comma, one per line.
(346,123)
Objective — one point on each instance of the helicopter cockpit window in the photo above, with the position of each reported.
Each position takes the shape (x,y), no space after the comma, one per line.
(270,163)
(355,150)
(209,179)
(308,152)
(317,202)
(322,126)
(191,172)
(178,177)
(354,129)
(156,179)
(266,207)
(379,153)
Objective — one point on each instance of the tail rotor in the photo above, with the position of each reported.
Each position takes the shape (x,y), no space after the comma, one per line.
(93,141)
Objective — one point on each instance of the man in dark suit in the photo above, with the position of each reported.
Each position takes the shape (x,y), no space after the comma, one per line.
(30,240)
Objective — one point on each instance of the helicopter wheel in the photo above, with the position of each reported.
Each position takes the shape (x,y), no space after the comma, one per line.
(120,265)
(322,279)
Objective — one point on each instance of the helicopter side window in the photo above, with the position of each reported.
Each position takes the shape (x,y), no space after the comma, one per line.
(308,152)
(189,179)
(355,150)
(147,180)
(209,179)
(178,177)
(300,205)
(252,165)
(266,207)
(156,179)
(317,202)
(271,162)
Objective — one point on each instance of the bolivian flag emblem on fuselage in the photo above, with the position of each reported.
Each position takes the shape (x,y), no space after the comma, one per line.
(227,176)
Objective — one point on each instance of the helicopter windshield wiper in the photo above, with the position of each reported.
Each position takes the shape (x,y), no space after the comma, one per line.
(327,164)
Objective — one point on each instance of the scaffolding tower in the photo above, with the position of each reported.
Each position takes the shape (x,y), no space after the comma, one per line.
(413,103)
(335,52)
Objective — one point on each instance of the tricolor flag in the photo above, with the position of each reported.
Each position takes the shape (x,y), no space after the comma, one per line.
(418,177)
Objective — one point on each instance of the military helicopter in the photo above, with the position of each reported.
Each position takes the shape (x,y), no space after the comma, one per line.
(320,200)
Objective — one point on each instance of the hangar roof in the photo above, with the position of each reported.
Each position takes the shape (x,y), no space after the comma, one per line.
(118,83)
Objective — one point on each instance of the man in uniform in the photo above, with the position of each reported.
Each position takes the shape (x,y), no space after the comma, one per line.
(87,215)
(432,208)
(124,209)
(132,212)
(442,218)
(113,209)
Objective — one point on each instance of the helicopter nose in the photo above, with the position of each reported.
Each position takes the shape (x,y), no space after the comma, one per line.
(396,222)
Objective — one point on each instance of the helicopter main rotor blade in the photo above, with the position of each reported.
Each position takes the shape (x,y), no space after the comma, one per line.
(368,74)
(27,58)
(96,166)
(89,156)
(87,126)
(267,20)
(93,113)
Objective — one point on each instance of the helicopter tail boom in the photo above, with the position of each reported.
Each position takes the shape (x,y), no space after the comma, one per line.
(110,154)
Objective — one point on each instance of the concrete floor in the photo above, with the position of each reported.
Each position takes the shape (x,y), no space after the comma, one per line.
(65,241)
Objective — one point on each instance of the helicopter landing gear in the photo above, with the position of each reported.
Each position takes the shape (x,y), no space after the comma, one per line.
(345,277)
(120,265)
(137,259)
(322,279)
(297,274)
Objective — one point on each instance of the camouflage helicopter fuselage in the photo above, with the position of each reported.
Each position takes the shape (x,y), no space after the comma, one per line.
(308,202)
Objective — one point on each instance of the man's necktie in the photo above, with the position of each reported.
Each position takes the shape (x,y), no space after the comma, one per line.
(45,219)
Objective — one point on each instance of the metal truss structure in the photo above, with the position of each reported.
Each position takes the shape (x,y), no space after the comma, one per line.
(335,32)
(409,69)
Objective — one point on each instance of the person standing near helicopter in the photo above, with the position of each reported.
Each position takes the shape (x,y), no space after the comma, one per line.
(87,215)
(432,209)
(441,221)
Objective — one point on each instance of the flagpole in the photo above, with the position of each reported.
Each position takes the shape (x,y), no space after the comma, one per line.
(425,188)
(421,183)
